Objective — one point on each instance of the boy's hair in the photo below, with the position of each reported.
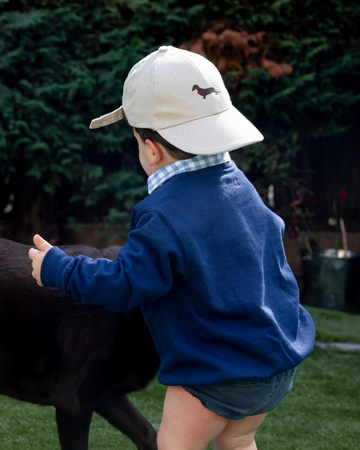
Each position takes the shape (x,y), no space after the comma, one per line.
(146,133)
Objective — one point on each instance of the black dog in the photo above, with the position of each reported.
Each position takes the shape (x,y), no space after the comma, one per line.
(79,359)
(205,92)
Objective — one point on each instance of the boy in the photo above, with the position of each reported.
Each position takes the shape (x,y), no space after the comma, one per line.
(204,259)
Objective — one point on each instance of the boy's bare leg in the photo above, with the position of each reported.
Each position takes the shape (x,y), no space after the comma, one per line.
(188,425)
(239,434)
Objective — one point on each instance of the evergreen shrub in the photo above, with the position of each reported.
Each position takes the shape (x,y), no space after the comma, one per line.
(64,63)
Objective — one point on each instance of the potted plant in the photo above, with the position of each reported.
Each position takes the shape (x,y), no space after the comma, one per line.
(331,276)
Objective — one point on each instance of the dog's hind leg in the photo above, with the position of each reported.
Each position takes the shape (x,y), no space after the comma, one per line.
(123,415)
(74,429)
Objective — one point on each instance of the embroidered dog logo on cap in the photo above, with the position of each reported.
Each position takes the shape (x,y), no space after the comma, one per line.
(205,92)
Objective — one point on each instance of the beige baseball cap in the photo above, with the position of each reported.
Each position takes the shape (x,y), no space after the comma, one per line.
(182,96)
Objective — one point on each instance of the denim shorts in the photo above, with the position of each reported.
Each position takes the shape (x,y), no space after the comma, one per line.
(238,399)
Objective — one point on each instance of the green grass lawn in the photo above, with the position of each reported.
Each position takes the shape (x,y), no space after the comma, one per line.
(332,326)
(322,412)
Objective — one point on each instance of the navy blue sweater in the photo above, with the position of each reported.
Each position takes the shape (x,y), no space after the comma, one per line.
(205,261)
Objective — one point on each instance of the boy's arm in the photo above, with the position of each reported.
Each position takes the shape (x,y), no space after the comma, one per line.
(143,272)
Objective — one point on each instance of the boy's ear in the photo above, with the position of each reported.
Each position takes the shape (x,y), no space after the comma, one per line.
(156,152)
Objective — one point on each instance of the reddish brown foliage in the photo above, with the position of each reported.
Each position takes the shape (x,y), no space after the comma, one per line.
(236,51)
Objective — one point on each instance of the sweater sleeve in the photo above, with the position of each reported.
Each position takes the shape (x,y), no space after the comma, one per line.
(144,270)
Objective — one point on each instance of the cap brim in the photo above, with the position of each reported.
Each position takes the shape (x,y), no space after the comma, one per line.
(213,134)
(108,119)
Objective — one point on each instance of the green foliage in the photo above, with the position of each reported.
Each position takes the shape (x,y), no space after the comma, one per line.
(321,40)
(64,63)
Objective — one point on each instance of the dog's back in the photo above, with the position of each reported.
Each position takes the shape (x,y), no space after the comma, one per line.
(46,337)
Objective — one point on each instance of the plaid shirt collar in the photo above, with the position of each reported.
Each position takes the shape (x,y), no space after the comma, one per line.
(187,165)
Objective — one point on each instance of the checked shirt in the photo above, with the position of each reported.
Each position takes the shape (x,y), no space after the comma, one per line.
(188,165)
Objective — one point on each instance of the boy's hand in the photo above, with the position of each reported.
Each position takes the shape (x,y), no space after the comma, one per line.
(37,256)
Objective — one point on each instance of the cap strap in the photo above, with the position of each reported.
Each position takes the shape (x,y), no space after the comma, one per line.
(108,119)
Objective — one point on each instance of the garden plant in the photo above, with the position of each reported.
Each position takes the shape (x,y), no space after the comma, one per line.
(63,63)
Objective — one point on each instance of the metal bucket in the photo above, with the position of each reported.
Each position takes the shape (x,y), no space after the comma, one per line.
(332,280)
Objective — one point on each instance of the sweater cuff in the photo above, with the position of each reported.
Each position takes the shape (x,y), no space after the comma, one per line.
(53,266)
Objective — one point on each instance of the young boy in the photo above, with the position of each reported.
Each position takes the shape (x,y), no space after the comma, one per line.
(204,259)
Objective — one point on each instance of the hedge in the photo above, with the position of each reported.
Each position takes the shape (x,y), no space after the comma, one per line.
(64,63)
